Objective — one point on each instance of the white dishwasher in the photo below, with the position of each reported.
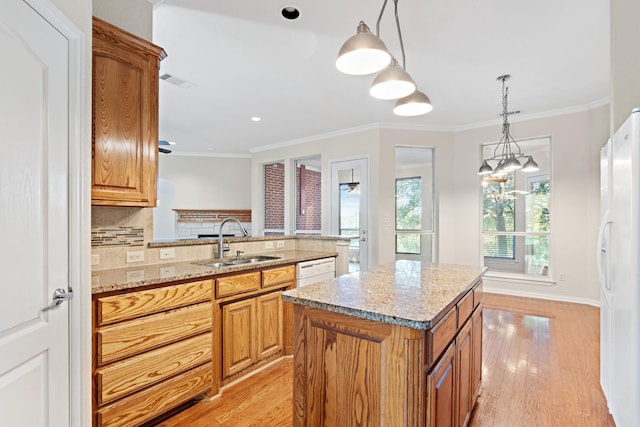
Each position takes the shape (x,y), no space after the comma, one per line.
(316,271)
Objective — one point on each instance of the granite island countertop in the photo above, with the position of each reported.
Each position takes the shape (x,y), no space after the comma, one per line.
(405,293)
(154,274)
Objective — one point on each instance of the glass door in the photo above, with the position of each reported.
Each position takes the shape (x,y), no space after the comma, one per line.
(349,200)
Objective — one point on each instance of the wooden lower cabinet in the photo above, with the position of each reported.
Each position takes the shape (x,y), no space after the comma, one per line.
(269,324)
(239,345)
(464,374)
(251,331)
(441,391)
(152,351)
(476,320)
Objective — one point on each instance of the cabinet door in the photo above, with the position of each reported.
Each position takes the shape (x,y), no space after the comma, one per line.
(441,383)
(464,364)
(477,351)
(124,118)
(269,315)
(239,344)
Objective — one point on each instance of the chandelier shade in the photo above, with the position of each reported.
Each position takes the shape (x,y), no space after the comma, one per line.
(507,152)
(363,53)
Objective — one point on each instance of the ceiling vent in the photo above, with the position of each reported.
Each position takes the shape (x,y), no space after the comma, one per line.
(174,80)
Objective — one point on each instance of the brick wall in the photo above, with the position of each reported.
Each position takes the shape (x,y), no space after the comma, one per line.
(274,196)
(312,218)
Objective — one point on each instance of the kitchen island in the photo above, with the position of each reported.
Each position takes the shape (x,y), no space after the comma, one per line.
(398,345)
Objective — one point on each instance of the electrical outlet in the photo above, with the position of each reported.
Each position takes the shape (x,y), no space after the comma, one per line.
(135,276)
(137,256)
(167,253)
(280,244)
(268,244)
(95,259)
(562,277)
(167,272)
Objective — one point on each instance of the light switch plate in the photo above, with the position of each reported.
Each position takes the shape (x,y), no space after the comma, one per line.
(137,256)
(268,244)
(95,259)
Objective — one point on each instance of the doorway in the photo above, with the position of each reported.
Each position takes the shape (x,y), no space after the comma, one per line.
(349,208)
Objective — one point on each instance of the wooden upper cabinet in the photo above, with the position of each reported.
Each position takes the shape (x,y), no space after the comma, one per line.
(124,117)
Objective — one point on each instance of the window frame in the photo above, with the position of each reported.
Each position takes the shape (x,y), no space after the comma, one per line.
(520,253)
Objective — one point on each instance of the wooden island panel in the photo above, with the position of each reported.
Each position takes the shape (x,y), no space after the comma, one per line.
(345,368)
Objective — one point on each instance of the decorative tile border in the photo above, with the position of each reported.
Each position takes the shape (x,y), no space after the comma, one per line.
(212,215)
(117,236)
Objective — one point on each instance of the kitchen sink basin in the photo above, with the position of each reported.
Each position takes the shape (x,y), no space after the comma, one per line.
(240,261)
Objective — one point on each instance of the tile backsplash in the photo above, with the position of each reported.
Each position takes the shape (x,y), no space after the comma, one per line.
(117,236)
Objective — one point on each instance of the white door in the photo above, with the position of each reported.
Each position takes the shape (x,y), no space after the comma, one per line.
(349,208)
(34,342)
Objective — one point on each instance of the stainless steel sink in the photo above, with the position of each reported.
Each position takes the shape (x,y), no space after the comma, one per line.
(240,261)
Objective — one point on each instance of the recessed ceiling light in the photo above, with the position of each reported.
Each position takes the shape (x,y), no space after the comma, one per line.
(256,118)
(290,12)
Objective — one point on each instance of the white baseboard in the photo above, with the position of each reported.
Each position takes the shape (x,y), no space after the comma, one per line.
(541,295)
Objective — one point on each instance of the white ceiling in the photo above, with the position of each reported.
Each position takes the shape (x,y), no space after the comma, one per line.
(246,60)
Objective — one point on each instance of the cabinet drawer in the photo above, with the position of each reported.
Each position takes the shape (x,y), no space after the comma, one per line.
(274,276)
(143,406)
(478,292)
(122,378)
(237,284)
(129,338)
(135,304)
(465,307)
(441,335)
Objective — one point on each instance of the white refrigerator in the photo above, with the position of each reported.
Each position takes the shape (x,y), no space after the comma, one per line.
(618,258)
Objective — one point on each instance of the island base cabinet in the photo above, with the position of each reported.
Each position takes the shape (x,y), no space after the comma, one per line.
(464,373)
(441,391)
(351,372)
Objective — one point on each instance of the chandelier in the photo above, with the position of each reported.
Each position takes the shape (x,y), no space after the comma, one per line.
(365,53)
(507,153)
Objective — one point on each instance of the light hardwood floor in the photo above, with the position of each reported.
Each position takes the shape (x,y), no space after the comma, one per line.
(540,368)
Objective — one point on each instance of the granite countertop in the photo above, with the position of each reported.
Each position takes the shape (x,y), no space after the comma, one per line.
(145,275)
(405,293)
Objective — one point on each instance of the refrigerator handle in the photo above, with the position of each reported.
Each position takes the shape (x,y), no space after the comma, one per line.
(603,273)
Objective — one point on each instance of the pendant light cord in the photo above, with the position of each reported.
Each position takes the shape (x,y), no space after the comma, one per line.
(395,3)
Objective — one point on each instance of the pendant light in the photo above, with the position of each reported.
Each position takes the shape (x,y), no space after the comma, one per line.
(507,151)
(413,105)
(363,53)
(393,82)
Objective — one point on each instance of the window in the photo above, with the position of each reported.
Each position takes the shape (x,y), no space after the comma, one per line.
(308,193)
(408,214)
(414,222)
(516,221)
(274,199)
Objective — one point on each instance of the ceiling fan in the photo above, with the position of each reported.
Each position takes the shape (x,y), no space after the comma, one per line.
(163,143)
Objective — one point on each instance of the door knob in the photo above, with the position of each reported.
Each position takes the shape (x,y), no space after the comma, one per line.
(60,295)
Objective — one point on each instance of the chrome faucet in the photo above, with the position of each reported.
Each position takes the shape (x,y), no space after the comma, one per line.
(221,249)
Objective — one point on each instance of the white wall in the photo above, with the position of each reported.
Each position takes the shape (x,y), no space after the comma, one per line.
(187,182)
(625,60)
(134,16)
(208,182)
(576,140)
